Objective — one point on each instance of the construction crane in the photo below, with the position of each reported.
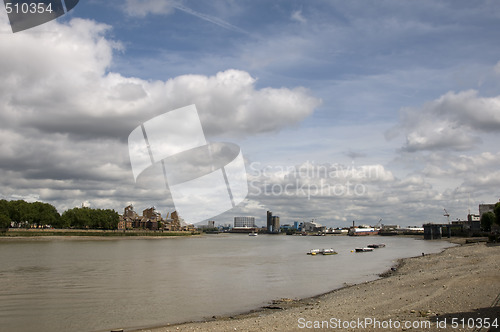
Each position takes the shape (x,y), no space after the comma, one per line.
(447,215)
(378,224)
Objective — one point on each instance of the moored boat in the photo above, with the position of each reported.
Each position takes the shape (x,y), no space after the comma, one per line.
(364,249)
(360,231)
(376,245)
(313,252)
(329,251)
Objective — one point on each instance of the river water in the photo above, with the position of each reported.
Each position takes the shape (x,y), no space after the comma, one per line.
(98,285)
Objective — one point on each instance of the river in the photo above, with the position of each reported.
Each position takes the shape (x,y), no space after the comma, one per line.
(98,285)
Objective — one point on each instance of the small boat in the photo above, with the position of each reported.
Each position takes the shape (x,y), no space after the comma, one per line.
(376,245)
(364,249)
(252,234)
(313,252)
(328,252)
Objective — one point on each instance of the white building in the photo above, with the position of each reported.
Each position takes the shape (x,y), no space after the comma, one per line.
(240,222)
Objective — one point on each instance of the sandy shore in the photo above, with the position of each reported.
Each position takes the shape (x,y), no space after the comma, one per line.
(458,289)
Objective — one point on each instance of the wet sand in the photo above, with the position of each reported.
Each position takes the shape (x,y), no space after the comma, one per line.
(456,290)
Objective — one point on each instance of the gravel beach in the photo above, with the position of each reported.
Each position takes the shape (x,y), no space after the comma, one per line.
(456,290)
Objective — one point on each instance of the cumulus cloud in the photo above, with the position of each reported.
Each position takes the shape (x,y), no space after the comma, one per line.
(453,121)
(335,194)
(65,117)
(68,89)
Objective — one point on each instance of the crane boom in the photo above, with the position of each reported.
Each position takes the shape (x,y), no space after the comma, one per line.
(447,215)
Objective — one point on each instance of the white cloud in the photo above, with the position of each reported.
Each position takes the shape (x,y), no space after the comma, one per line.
(65,117)
(68,89)
(228,102)
(453,121)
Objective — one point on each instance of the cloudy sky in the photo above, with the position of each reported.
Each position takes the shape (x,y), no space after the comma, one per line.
(343,110)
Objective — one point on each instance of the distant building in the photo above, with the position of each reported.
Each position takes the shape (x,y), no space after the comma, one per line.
(151,214)
(130,219)
(273,223)
(244,225)
(152,220)
(276,224)
(175,224)
(149,220)
(312,226)
(127,219)
(244,222)
(485,208)
(269,221)
(473,222)
(130,213)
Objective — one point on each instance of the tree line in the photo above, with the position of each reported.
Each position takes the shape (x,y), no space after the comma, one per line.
(38,214)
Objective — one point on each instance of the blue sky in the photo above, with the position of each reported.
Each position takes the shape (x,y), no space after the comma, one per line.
(407,89)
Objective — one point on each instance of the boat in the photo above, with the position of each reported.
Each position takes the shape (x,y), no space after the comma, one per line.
(364,249)
(376,245)
(359,231)
(313,252)
(329,251)
(252,234)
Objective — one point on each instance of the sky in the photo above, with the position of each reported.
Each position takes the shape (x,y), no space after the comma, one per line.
(343,110)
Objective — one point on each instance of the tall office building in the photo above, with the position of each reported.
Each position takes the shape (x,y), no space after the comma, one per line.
(269,221)
(276,224)
(273,223)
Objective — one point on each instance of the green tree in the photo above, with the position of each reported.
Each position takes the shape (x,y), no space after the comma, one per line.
(496,210)
(44,214)
(20,212)
(106,219)
(4,207)
(90,218)
(77,217)
(487,219)
(4,222)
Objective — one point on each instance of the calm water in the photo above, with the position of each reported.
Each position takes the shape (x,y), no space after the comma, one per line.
(80,285)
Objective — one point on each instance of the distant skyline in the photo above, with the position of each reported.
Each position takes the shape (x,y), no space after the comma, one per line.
(343,110)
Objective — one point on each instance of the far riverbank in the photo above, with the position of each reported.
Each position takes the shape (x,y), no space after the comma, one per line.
(458,286)
(15,233)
